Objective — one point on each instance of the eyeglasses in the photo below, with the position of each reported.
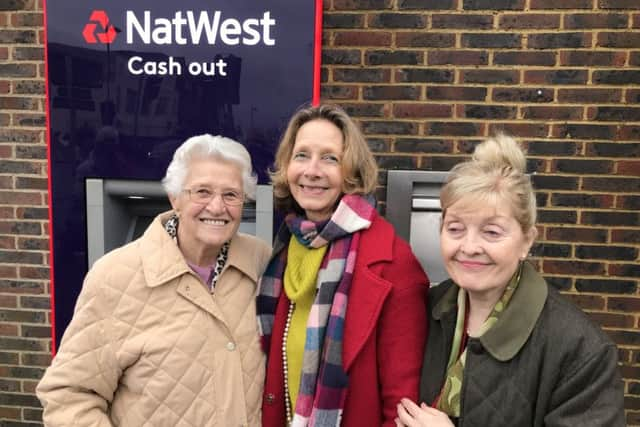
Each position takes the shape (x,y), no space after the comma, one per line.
(204,196)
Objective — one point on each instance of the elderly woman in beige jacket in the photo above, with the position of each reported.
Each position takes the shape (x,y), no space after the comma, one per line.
(164,331)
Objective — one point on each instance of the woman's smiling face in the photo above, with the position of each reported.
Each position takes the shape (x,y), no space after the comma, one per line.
(482,244)
(314,172)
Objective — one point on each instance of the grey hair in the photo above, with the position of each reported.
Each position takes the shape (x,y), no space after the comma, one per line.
(208,146)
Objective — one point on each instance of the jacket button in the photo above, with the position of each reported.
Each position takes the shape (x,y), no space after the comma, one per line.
(476,347)
(231,346)
(270,398)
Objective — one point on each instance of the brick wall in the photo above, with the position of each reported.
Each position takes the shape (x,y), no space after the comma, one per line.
(427,79)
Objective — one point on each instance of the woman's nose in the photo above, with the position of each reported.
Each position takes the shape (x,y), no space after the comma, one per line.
(216,204)
(470,243)
(313,169)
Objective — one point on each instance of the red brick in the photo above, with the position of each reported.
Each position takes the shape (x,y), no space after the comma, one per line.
(362,38)
(628,270)
(623,236)
(573,58)
(33,243)
(8,301)
(629,167)
(612,320)
(339,92)
(361,4)
(565,4)
(35,359)
(432,40)
(625,304)
(6,152)
(29,386)
(595,20)
(7,272)
(590,96)
(624,39)
(523,130)
(587,302)
(19,198)
(457,57)
(10,413)
(581,268)
(530,20)
(27,19)
(8,330)
(7,242)
(552,113)
(576,234)
(421,110)
(34,272)
(628,133)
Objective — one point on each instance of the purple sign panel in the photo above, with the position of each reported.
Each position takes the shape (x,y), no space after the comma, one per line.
(127,82)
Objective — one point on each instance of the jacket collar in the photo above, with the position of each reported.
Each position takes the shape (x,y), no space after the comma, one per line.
(162,260)
(507,336)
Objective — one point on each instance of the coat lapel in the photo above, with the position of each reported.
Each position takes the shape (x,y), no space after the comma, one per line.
(368,290)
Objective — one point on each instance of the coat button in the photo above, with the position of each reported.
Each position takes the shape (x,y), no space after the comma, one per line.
(231,346)
(270,398)
(475,346)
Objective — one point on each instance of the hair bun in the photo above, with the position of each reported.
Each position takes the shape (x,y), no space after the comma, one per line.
(501,152)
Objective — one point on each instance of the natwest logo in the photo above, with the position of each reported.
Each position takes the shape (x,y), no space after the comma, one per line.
(99,21)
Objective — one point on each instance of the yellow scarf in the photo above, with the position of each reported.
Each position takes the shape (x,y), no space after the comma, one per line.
(300,287)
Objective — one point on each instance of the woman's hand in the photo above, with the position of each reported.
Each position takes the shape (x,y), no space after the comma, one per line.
(412,415)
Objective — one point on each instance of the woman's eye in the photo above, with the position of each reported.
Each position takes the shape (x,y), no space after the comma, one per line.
(299,155)
(492,233)
(453,229)
(331,158)
(203,192)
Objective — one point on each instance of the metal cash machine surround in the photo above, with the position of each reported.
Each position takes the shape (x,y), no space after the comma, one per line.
(413,207)
(128,82)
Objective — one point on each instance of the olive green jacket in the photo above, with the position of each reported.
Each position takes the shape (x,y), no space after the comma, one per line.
(544,363)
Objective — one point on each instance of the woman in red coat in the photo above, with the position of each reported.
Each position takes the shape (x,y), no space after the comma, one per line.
(342,304)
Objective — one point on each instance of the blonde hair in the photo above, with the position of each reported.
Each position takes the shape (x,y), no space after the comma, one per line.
(359,168)
(496,171)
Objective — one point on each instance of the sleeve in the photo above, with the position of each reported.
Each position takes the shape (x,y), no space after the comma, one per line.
(403,332)
(80,383)
(590,395)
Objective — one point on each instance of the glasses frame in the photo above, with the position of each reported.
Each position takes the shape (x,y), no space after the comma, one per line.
(192,194)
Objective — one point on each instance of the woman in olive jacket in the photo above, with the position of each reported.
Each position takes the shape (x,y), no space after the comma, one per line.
(504,348)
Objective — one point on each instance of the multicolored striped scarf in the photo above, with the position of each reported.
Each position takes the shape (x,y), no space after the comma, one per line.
(323,382)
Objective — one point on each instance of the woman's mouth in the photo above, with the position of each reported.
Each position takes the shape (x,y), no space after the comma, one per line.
(218,222)
(312,189)
(472,264)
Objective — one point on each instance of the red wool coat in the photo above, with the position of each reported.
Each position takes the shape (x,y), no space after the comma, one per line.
(384,334)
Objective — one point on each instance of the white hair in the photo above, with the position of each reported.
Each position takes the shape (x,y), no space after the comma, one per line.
(208,146)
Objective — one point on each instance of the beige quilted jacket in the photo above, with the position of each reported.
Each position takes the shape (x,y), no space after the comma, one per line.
(148,344)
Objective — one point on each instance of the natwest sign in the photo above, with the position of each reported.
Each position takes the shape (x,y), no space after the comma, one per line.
(206,27)
(128,81)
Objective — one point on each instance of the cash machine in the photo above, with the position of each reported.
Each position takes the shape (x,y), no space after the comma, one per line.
(128,82)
